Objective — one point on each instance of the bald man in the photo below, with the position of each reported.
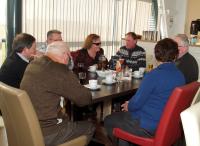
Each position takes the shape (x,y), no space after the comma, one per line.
(46,79)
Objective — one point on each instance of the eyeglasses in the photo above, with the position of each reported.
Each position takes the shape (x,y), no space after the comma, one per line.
(97,44)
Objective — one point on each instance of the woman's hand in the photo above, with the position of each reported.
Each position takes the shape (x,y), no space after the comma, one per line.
(125,106)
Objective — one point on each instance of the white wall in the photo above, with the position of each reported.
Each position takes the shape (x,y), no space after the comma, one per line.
(176,16)
(149,48)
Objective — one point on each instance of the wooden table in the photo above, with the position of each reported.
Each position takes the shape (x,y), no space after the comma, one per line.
(117,90)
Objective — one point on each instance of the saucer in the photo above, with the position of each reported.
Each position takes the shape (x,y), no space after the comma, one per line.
(91,70)
(97,88)
(110,83)
(137,77)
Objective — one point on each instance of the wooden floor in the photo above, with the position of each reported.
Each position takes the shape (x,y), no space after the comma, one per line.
(100,135)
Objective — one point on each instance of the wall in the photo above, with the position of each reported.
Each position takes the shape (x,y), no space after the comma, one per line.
(176,15)
(193,13)
(149,47)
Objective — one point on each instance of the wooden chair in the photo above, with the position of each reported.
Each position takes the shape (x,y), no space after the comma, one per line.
(191,124)
(21,122)
(169,129)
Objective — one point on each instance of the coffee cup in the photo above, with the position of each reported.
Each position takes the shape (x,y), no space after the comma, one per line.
(141,70)
(109,79)
(136,73)
(92,68)
(93,84)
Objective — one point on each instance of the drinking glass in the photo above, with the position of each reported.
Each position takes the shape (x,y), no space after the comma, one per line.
(102,64)
(119,77)
(81,73)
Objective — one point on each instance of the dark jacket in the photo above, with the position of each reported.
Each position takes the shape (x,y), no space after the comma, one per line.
(12,70)
(189,67)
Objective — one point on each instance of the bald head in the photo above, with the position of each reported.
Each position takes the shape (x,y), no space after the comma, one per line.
(58,51)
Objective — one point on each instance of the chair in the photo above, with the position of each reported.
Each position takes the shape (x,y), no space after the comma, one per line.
(169,129)
(191,124)
(74,54)
(196,98)
(21,122)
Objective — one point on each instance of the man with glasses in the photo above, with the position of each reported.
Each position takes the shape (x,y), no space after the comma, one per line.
(186,63)
(52,36)
(134,55)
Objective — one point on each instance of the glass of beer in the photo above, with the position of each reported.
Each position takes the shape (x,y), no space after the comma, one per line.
(150,67)
(102,64)
(81,73)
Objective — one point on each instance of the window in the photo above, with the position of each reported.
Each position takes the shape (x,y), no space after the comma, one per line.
(2,31)
(111,19)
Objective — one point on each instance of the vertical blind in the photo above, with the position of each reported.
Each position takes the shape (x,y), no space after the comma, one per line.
(111,19)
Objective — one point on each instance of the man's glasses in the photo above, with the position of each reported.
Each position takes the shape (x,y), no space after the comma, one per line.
(97,44)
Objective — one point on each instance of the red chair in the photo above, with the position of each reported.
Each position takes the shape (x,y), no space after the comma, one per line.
(169,129)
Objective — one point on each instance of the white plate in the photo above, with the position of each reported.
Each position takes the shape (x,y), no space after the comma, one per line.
(91,70)
(105,82)
(97,88)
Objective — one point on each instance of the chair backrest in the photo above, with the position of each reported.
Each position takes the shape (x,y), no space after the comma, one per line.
(169,128)
(191,124)
(196,98)
(20,120)
(74,54)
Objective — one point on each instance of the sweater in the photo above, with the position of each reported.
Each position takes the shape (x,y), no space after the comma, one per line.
(46,81)
(134,58)
(150,99)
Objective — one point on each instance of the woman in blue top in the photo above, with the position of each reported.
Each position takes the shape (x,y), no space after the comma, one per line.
(143,111)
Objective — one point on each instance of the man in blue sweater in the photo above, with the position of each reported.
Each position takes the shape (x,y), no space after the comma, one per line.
(143,111)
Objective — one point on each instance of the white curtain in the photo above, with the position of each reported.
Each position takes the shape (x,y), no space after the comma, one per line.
(111,19)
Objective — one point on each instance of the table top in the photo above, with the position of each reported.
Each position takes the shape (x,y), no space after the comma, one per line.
(107,92)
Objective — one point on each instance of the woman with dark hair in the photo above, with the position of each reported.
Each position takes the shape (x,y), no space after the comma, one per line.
(143,111)
(90,53)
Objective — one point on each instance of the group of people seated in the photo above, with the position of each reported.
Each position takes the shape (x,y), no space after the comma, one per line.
(50,81)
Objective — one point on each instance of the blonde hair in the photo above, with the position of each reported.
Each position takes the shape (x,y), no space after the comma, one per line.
(89,40)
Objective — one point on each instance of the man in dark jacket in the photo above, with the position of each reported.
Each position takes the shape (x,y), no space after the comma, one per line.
(186,63)
(23,49)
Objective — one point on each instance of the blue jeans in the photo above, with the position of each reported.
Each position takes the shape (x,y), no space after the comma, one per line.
(124,121)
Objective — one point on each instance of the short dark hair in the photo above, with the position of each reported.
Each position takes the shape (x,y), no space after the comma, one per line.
(21,41)
(89,40)
(132,34)
(166,50)
(50,32)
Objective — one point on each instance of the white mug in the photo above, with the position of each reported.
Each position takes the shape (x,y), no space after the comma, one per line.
(136,73)
(93,84)
(141,70)
(109,78)
(93,68)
